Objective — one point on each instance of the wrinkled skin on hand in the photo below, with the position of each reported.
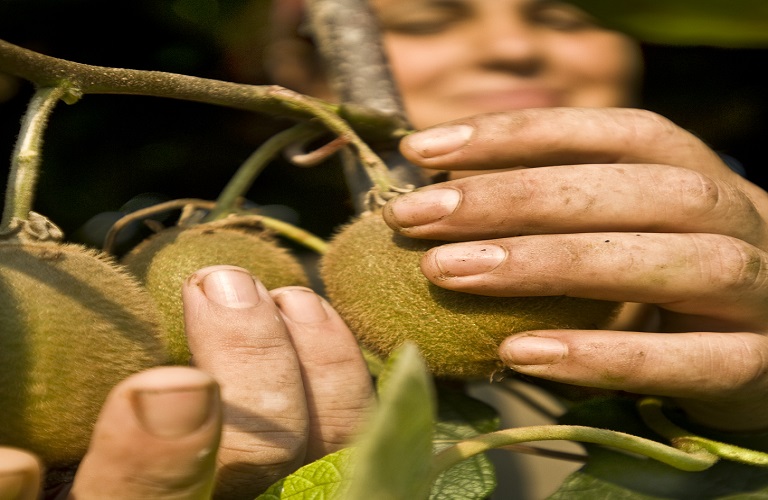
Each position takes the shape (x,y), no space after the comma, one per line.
(278,381)
(616,204)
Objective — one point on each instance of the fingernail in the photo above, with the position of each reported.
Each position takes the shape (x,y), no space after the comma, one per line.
(232,288)
(531,350)
(439,140)
(466,259)
(174,413)
(423,207)
(301,305)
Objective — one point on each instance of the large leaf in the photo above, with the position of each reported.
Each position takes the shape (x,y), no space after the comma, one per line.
(460,417)
(723,23)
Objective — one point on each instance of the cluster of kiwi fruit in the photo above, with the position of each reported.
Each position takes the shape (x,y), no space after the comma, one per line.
(57,372)
(94,320)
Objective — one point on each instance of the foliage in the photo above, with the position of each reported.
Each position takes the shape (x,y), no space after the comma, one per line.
(737,23)
(426,440)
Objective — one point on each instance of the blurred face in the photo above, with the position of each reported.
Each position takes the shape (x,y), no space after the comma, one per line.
(456,58)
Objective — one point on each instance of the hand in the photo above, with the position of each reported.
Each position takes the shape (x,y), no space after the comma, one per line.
(628,207)
(278,382)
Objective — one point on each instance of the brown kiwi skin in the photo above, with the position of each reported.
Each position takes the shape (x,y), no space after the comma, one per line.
(372,276)
(73,323)
(164,260)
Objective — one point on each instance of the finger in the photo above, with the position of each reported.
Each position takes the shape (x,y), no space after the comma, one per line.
(235,333)
(706,275)
(156,437)
(721,375)
(571,199)
(20,474)
(336,378)
(559,136)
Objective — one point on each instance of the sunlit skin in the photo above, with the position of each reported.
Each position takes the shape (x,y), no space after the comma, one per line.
(457,58)
(613,203)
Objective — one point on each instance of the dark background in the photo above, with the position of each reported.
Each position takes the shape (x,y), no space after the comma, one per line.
(104,150)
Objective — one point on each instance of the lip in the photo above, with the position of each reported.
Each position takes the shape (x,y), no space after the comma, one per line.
(500,100)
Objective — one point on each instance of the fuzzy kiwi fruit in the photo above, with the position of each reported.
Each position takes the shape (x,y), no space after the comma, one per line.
(72,325)
(372,277)
(164,260)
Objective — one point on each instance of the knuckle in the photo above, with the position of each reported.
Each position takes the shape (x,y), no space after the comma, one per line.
(650,125)
(707,197)
(746,365)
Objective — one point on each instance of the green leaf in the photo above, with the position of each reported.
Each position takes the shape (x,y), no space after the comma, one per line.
(722,23)
(394,454)
(611,474)
(461,416)
(322,479)
(472,479)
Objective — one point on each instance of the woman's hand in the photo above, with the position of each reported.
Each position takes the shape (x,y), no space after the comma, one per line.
(624,206)
(278,382)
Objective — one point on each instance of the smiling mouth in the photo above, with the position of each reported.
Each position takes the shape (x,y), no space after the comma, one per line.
(503,100)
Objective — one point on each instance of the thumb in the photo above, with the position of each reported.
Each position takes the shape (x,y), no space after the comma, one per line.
(156,437)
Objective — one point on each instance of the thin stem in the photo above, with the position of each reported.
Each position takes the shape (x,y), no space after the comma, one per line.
(147,212)
(25,162)
(696,461)
(46,71)
(374,167)
(273,99)
(650,409)
(243,179)
(295,233)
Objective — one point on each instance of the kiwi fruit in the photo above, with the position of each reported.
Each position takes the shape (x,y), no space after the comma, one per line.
(164,260)
(372,277)
(73,323)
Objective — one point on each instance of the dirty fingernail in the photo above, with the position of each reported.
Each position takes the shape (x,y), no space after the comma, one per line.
(468,259)
(422,207)
(439,140)
(533,351)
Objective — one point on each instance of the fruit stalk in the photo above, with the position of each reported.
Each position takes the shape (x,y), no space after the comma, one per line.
(26,158)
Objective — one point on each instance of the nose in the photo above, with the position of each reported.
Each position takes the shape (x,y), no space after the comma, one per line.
(508,42)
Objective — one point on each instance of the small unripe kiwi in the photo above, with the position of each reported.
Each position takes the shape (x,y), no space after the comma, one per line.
(373,278)
(72,325)
(164,260)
